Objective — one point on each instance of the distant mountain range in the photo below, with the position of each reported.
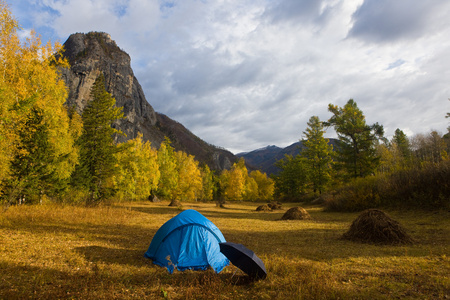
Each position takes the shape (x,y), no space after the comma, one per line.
(264,159)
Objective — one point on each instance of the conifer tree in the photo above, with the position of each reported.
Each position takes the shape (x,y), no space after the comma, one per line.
(319,155)
(33,165)
(291,182)
(98,161)
(402,143)
(357,140)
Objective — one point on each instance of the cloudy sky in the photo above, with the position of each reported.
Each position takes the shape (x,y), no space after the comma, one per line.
(244,74)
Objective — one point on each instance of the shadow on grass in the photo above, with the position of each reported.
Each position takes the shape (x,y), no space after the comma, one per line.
(31,282)
(124,236)
(107,255)
(160,210)
(221,213)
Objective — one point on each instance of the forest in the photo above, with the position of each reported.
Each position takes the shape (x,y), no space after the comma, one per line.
(51,153)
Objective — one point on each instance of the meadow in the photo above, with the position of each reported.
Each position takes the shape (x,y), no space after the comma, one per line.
(66,252)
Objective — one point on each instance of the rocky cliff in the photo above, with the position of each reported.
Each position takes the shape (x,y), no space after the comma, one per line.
(94,53)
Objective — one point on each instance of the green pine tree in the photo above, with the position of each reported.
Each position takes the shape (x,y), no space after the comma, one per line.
(319,155)
(97,148)
(291,182)
(357,151)
(402,142)
(33,165)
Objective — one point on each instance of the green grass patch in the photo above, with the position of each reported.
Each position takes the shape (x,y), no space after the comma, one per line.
(65,252)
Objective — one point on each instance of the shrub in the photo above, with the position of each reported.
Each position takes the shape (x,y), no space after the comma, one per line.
(360,194)
(423,186)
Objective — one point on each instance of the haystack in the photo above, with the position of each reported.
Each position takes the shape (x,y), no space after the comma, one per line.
(274,205)
(264,207)
(296,213)
(175,203)
(221,203)
(153,198)
(376,227)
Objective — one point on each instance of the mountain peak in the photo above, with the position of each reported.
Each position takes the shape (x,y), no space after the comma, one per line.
(96,53)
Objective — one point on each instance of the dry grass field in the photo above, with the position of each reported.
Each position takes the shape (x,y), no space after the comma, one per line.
(56,252)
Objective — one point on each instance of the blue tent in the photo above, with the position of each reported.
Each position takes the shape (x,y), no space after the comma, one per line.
(188,241)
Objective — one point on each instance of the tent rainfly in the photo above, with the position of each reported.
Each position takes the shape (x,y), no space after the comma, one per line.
(188,241)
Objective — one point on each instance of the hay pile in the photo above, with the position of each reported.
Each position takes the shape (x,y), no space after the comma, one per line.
(264,207)
(274,205)
(269,206)
(296,213)
(375,227)
(175,203)
(220,203)
(153,198)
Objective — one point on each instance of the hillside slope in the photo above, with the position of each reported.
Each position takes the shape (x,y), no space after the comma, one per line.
(94,53)
(264,159)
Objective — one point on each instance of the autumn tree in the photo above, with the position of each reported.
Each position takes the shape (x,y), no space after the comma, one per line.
(250,189)
(396,154)
(318,153)
(233,181)
(189,184)
(137,175)
(9,54)
(208,183)
(98,159)
(265,185)
(32,90)
(357,140)
(167,164)
(429,147)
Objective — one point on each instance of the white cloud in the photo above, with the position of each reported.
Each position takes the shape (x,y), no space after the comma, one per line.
(246,74)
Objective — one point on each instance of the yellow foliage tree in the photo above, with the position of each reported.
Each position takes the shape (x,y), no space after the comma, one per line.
(390,158)
(30,80)
(138,172)
(167,164)
(208,185)
(234,181)
(250,190)
(265,185)
(189,185)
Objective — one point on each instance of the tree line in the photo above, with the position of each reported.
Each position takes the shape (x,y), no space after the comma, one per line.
(366,169)
(51,152)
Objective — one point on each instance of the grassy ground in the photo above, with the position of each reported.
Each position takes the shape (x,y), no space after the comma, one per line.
(54,252)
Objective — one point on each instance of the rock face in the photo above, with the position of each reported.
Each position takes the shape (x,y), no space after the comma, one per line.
(94,53)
